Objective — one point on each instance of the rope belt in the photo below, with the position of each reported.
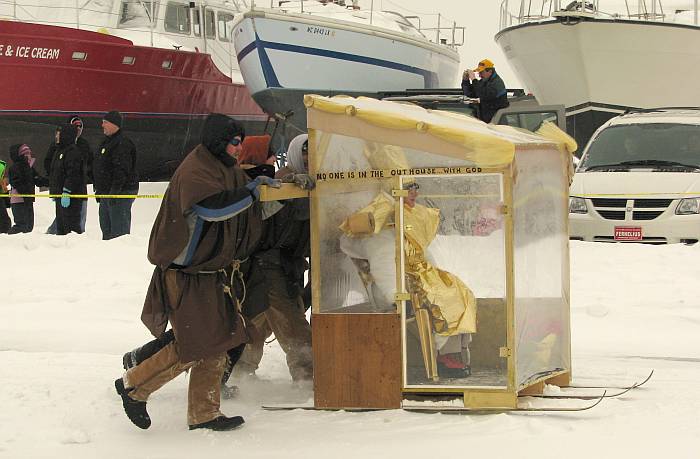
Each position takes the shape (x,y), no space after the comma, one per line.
(236,274)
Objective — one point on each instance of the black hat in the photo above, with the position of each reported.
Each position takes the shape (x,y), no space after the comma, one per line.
(14,152)
(218,131)
(68,135)
(114,117)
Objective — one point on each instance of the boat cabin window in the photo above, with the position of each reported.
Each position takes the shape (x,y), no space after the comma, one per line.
(210,24)
(137,13)
(177,18)
(196,22)
(225,26)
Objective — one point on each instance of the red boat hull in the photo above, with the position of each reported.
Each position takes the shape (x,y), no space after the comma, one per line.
(163,94)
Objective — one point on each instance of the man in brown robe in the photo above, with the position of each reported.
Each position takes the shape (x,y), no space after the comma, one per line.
(209,221)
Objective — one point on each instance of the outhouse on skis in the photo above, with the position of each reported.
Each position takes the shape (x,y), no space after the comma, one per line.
(440,258)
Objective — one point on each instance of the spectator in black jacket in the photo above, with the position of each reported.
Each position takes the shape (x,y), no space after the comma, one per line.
(114,173)
(5,222)
(23,178)
(489,89)
(68,178)
(85,149)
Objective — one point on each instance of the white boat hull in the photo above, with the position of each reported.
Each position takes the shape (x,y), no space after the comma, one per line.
(606,66)
(308,53)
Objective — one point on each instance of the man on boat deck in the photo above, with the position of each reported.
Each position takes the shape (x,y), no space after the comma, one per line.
(489,89)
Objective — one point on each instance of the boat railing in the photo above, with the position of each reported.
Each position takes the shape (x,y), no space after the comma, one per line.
(90,18)
(83,16)
(444,32)
(436,27)
(146,25)
(516,12)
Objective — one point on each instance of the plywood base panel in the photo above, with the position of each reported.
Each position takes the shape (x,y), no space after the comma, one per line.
(357,360)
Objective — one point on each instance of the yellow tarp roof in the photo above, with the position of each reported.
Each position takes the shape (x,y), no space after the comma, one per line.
(408,125)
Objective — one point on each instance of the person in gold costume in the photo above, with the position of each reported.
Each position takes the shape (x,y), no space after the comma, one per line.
(446,303)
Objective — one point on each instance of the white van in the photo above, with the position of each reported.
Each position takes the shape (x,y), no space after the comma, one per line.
(639,179)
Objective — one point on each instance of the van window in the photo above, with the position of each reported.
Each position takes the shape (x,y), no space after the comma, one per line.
(530,121)
(225,26)
(644,142)
(177,18)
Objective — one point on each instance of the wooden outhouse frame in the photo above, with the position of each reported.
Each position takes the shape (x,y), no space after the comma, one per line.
(358,358)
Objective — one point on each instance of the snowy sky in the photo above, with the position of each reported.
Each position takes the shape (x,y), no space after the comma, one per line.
(480,17)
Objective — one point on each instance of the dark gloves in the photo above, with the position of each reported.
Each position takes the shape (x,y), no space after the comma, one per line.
(252,186)
(303,181)
(263,180)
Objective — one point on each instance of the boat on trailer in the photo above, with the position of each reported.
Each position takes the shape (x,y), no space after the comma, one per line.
(164,64)
(602,57)
(286,49)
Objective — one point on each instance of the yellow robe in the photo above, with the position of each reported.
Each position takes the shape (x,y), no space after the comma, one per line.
(456,305)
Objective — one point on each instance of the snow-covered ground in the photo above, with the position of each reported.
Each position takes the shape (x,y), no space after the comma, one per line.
(70,307)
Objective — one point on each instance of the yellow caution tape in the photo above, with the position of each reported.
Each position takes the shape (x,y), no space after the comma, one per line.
(82,196)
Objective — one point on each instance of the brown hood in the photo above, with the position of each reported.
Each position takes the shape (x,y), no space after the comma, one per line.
(199,176)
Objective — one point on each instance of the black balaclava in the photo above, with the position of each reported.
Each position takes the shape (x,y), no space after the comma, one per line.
(14,153)
(217,132)
(68,135)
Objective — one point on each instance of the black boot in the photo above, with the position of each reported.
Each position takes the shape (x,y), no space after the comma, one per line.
(138,355)
(128,360)
(220,424)
(135,409)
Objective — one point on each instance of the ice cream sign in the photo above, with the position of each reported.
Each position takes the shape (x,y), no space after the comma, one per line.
(29,52)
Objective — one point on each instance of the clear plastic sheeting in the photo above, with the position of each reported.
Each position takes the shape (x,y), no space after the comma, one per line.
(453,229)
(449,248)
(358,273)
(541,265)
(452,241)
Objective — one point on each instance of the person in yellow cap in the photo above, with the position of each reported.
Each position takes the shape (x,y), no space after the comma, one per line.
(489,89)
